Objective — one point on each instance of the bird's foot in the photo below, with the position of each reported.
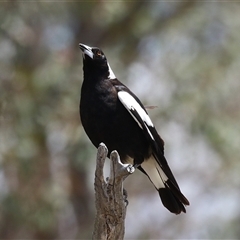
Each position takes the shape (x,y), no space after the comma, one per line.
(130,168)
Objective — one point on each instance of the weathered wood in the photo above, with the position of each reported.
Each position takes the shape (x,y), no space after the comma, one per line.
(110,199)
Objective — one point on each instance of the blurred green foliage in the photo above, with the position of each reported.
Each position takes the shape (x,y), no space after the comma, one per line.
(182,56)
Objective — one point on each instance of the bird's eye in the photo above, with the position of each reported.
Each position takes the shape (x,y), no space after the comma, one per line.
(99,53)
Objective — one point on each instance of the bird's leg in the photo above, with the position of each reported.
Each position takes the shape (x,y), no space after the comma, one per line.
(137,161)
(136,165)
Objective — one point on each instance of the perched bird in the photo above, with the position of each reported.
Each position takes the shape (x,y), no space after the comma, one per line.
(112,114)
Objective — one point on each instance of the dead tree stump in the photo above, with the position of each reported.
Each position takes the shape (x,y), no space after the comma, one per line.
(110,197)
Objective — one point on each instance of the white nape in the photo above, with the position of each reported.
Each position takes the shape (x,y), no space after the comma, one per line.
(111,74)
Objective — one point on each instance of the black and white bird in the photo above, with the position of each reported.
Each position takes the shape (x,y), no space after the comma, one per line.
(112,114)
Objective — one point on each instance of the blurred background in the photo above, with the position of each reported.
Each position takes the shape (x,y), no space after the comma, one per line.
(181,56)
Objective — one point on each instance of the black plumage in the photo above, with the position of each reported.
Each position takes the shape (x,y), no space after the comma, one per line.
(112,114)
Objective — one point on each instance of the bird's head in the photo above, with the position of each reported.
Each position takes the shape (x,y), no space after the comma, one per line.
(93,56)
(95,60)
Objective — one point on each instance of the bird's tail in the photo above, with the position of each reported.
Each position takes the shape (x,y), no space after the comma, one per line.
(166,185)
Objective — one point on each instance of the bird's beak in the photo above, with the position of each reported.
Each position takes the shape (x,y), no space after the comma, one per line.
(86,50)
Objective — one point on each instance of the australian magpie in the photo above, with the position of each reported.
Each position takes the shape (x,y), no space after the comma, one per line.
(112,114)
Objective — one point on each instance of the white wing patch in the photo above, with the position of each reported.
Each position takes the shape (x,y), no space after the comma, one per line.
(131,104)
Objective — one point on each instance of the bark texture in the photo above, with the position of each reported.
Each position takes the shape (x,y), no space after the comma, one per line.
(111,198)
